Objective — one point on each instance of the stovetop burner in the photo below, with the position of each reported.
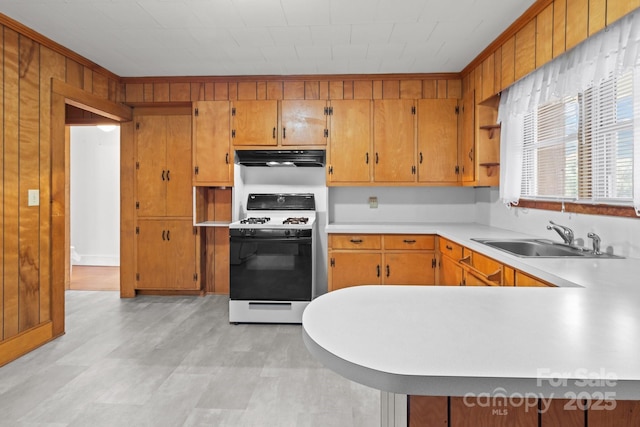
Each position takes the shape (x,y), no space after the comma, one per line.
(255,220)
(296,220)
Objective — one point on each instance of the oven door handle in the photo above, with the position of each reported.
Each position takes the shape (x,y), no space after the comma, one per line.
(250,239)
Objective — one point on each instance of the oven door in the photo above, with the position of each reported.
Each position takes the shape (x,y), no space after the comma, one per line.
(270,268)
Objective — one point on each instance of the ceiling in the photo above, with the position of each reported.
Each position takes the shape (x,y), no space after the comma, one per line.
(270,37)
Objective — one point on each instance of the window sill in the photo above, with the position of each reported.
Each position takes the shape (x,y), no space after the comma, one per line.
(610,210)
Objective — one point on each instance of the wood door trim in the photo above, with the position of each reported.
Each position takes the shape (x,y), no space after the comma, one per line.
(90,102)
(25,342)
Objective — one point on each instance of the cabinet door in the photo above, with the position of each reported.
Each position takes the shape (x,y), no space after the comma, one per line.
(407,268)
(255,122)
(526,280)
(304,122)
(450,272)
(151,172)
(350,141)
(467,139)
(394,140)
(437,140)
(180,263)
(151,247)
(353,269)
(178,166)
(212,143)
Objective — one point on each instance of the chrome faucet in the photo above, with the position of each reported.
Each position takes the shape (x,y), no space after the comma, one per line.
(565,232)
(596,242)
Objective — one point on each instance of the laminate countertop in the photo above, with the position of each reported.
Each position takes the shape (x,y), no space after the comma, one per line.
(581,339)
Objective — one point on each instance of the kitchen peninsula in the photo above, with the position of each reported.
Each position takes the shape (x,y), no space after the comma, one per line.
(576,341)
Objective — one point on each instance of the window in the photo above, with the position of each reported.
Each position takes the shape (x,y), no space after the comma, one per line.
(581,148)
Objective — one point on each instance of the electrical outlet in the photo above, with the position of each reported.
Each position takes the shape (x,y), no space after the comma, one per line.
(34,198)
(373,202)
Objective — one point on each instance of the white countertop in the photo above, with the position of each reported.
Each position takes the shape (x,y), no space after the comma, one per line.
(442,340)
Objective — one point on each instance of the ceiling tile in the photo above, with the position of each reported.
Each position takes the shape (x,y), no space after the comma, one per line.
(317,53)
(412,33)
(350,51)
(251,37)
(330,35)
(307,12)
(371,33)
(299,35)
(261,13)
(385,51)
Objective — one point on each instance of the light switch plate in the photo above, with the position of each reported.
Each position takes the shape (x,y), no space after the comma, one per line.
(34,197)
(373,202)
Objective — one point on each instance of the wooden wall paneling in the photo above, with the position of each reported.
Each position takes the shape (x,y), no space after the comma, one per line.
(625,413)
(559,26)
(488,79)
(544,36)
(293,90)
(442,89)
(117,93)
(363,89)
(410,89)
(336,89)
(52,65)
(221,92)
(275,90)
(347,89)
(497,69)
(312,90)
(577,22)
(429,89)
(616,9)
(197,91)
(390,89)
(508,62)
(323,90)
(180,92)
(247,91)
(233,91)
(454,89)
(221,249)
(525,51)
(100,84)
(161,92)
(87,80)
(208,257)
(597,16)
(261,90)
(75,73)
(11,184)
(377,89)
(135,92)
(477,84)
(558,414)
(127,210)
(1,187)
(428,411)
(209,91)
(222,207)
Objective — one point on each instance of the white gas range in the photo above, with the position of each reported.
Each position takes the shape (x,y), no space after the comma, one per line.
(272,259)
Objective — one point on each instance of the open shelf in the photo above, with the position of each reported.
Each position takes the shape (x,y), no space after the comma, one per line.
(492,167)
(491,129)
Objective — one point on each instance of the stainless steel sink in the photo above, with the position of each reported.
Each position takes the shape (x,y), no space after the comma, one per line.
(542,248)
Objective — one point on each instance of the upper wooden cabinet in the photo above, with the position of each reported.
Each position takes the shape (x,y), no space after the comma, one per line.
(304,122)
(467,153)
(394,140)
(163,166)
(212,155)
(290,123)
(438,140)
(349,156)
(254,123)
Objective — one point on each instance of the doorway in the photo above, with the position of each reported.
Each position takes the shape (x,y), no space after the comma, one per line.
(94,207)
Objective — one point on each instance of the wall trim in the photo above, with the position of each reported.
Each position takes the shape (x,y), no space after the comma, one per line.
(25,342)
(302,77)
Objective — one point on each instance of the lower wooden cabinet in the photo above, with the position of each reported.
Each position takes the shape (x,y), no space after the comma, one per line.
(167,255)
(450,271)
(522,279)
(428,411)
(374,259)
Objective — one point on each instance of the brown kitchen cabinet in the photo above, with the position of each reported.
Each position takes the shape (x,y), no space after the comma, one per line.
(438,141)
(523,279)
(487,147)
(163,166)
(387,259)
(466,152)
(427,411)
(394,141)
(462,266)
(304,123)
(211,144)
(451,273)
(254,123)
(349,157)
(167,255)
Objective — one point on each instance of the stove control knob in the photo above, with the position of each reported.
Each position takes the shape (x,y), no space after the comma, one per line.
(252,231)
(287,232)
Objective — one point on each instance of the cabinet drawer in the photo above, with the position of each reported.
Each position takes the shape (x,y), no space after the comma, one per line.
(447,247)
(409,241)
(354,241)
(484,264)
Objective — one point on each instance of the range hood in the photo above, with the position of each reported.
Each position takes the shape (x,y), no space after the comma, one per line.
(281,158)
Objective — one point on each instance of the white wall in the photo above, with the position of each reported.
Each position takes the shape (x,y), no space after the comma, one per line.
(95,195)
(620,235)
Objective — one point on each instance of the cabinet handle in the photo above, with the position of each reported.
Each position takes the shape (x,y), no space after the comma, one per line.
(388,270)
(378,270)
(421,157)
(168,236)
(376,158)
(366,158)
(356,241)
(284,133)
(168,176)
(226,158)
(449,248)
(163,235)
(409,241)
(471,154)
(274,133)
(163,174)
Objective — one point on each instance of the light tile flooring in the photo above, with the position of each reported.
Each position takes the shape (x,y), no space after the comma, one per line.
(175,361)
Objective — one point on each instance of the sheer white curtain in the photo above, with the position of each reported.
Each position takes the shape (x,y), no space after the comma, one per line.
(613,50)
